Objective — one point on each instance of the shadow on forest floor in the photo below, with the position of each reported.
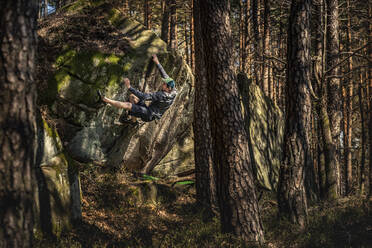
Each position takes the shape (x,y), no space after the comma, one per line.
(113,217)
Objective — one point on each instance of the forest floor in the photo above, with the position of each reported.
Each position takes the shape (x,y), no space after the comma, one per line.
(114,217)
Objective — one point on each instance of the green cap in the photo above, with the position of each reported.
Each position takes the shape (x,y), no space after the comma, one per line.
(169,81)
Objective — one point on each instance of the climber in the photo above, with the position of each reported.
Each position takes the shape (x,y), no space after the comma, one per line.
(136,107)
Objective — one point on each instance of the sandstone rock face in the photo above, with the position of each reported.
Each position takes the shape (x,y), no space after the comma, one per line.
(89,129)
(58,189)
(265,126)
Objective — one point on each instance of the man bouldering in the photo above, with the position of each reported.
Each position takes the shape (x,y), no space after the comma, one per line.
(136,107)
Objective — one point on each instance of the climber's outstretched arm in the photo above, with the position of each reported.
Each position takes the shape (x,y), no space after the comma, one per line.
(160,67)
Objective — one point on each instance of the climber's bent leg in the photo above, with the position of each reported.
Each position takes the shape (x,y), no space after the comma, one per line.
(142,111)
(134,100)
(118,104)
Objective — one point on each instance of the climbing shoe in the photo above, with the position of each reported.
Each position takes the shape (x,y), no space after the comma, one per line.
(100,95)
(126,120)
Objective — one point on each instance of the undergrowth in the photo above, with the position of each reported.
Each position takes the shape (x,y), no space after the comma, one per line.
(114,217)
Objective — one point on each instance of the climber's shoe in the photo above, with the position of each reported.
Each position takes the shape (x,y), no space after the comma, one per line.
(100,95)
(127,120)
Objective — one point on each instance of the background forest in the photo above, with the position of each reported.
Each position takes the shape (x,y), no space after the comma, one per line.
(312,60)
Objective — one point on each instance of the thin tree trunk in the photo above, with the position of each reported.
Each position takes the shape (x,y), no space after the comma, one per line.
(206,189)
(165,22)
(361,96)
(147,14)
(17,121)
(173,25)
(45,8)
(334,101)
(256,41)
(187,46)
(247,54)
(266,48)
(296,153)
(370,100)
(192,39)
(241,35)
(239,210)
(349,109)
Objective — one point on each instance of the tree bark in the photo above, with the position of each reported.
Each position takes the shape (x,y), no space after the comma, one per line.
(192,39)
(206,189)
(239,210)
(173,25)
(370,99)
(320,28)
(296,153)
(362,96)
(256,41)
(348,112)
(165,22)
(266,49)
(147,14)
(334,101)
(241,35)
(17,121)
(247,54)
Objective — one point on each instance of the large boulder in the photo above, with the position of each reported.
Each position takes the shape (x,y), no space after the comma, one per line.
(57,195)
(265,127)
(93,46)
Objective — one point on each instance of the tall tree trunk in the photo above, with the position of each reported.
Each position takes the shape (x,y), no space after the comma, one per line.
(40,9)
(206,190)
(318,75)
(334,101)
(362,96)
(17,121)
(173,25)
(165,22)
(192,39)
(296,153)
(266,48)
(348,110)
(247,54)
(241,35)
(256,41)
(239,210)
(370,99)
(46,8)
(147,14)
(187,46)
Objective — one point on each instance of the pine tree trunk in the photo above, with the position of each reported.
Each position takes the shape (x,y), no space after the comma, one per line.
(206,189)
(334,101)
(241,35)
(362,96)
(370,99)
(17,121)
(45,8)
(266,48)
(239,210)
(192,39)
(348,111)
(165,22)
(187,46)
(296,154)
(247,55)
(256,41)
(173,41)
(147,14)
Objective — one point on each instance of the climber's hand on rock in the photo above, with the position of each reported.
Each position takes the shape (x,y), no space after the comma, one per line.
(155,59)
(127,82)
